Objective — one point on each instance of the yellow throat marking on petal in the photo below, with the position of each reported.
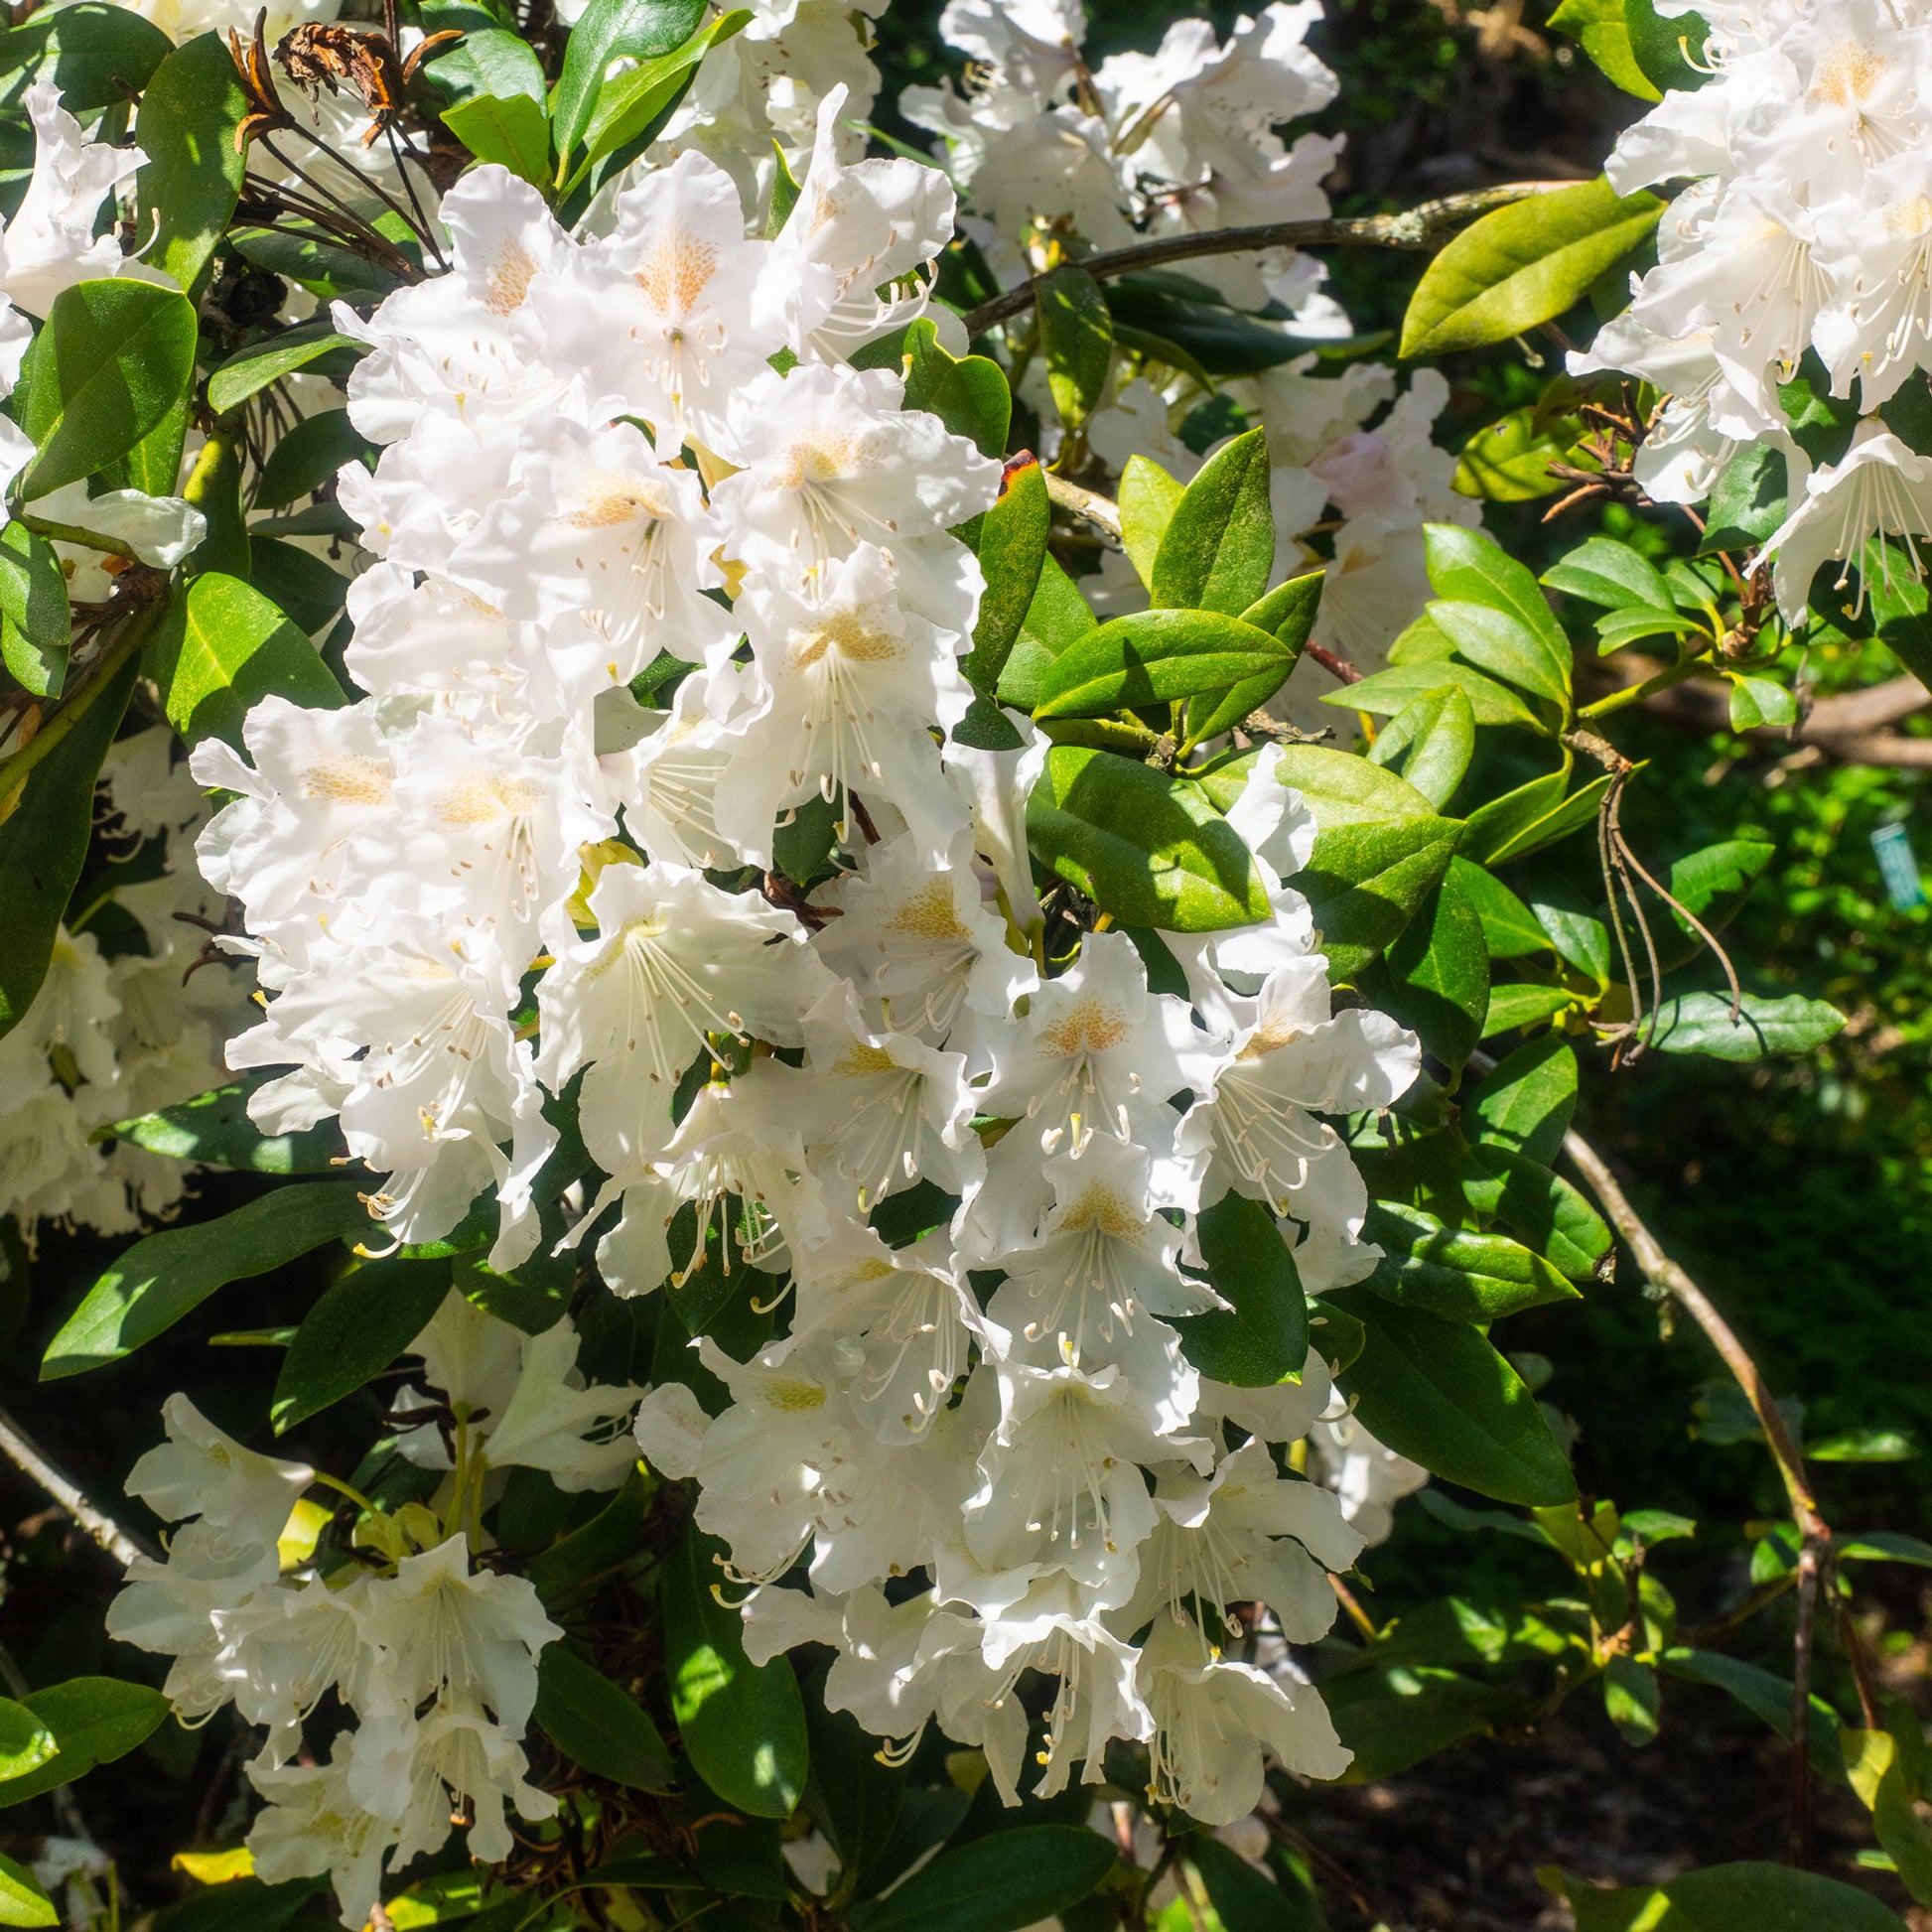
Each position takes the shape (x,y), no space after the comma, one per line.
(506,281)
(794,1395)
(1093,1027)
(675,274)
(1849,75)
(848,634)
(612,499)
(928,915)
(1267,1038)
(480,799)
(348,778)
(859,1059)
(1105,1212)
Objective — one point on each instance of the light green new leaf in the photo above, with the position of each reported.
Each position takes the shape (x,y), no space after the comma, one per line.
(489,61)
(1532,815)
(1603,571)
(353,1333)
(1157,657)
(188,190)
(1872,1764)
(22,1901)
(743,1725)
(43,842)
(1010,1878)
(1758,701)
(1077,333)
(1144,846)
(1699,1023)
(1500,644)
(1262,1336)
(1631,1700)
(95,1720)
(26,1744)
(1288,614)
(1148,495)
(1218,550)
(1729,1898)
(114,359)
(1435,1392)
(1618,630)
(1471,567)
(1454,1273)
(596,1725)
(1521,1005)
(224,648)
(1600,26)
(1523,264)
(610,30)
(36,620)
(1433,738)
(170,1273)
(1390,693)
(1509,461)
(253,368)
(512,130)
(629,102)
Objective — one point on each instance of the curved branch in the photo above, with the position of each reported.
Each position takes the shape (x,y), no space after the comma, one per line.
(1416,227)
(21,1451)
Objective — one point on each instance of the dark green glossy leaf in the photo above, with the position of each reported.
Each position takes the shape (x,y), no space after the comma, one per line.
(353,1333)
(1396,1714)
(1144,846)
(187,193)
(596,1725)
(1218,548)
(1747,500)
(998,1884)
(308,456)
(1525,1102)
(223,648)
(114,359)
(1439,973)
(1456,1273)
(297,583)
(743,1725)
(88,51)
(1158,657)
(1263,1338)
(1668,50)
(215,1128)
(1542,1209)
(1366,882)
(1011,543)
(611,1536)
(1510,927)
(1435,1392)
(631,102)
(1076,332)
(1731,1898)
(309,258)
(43,842)
(969,394)
(1699,1023)
(95,1720)
(37,622)
(609,30)
(1523,264)
(1711,883)
(1287,611)
(252,369)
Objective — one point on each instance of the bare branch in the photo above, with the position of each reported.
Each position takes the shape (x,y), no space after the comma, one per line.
(1087,504)
(23,1453)
(1416,227)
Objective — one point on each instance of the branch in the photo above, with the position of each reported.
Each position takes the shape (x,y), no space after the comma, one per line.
(1814,1533)
(117,1542)
(1416,227)
(1087,504)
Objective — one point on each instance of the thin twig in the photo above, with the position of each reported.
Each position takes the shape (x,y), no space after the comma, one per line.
(1416,227)
(1087,504)
(1854,1655)
(119,1544)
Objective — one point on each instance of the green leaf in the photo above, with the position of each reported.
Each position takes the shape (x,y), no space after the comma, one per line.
(95,1720)
(1218,549)
(1011,543)
(1631,1700)
(514,132)
(1669,52)
(1516,1006)
(1509,929)
(88,51)
(308,456)
(215,1128)
(170,1273)
(1197,319)
(1158,656)
(856,1801)
(1338,787)
(190,115)
(1246,1899)
(1728,1898)
(1433,738)
(1766,1695)
(1393,1716)
(22,1901)
(114,359)
(1366,882)
(322,267)
(250,371)
(44,842)
(1391,692)
(1263,1338)
(297,583)
(1144,846)
(1287,611)
(969,394)
(489,61)
(26,1744)
(1076,331)
(1600,26)
(1439,973)
(1541,1208)
(609,1537)
(1500,644)
(1509,461)
(1500,827)
(224,648)
(1523,264)
(1603,571)
(1435,1392)
(1699,1023)
(1747,500)
(1525,1101)
(1003,1881)
(1864,1446)
(1756,701)
(39,623)
(215,488)
(631,102)
(1874,1767)
(743,1725)
(610,30)
(597,1725)
(1471,566)
(353,1333)
(1617,629)
(1454,1273)
(1884,1546)
(1147,496)
(1580,938)
(1712,883)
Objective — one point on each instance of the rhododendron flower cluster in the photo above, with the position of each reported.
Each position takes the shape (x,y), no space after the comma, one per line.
(1806,227)
(661,578)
